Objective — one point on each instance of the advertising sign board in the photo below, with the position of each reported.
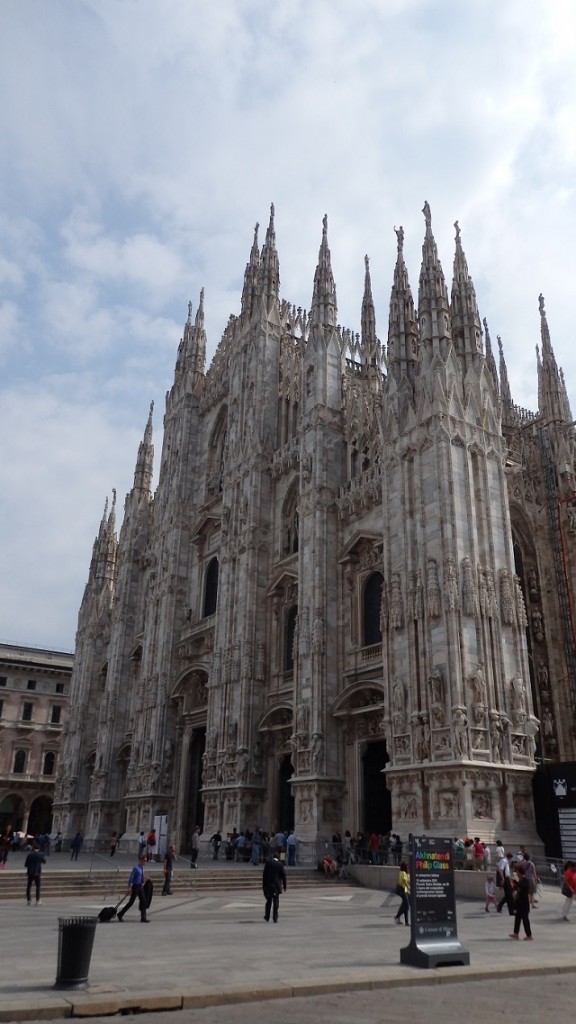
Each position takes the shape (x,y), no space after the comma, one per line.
(434,933)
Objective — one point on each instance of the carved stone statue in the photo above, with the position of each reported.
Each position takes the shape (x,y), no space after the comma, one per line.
(520,606)
(460,723)
(317,747)
(450,585)
(537,625)
(469,598)
(547,723)
(433,589)
(478,685)
(533,587)
(506,598)
(396,603)
(436,685)
(543,680)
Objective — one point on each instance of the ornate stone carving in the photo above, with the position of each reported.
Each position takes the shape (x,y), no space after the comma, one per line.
(396,602)
(416,596)
(398,704)
(482,805)
(447,804)
(469,596)
(537,625)
(460,732)
(506,598)
(492,605)
(451,585)
(533,585)
(433,593)
(520,606)
(477,684)
(436,688)
(318,635)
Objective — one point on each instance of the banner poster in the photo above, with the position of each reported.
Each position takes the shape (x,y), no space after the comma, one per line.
(434,931)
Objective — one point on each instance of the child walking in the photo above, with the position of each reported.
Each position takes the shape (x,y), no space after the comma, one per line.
(490,890)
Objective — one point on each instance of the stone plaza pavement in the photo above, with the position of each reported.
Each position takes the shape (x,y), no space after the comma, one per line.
(215,948)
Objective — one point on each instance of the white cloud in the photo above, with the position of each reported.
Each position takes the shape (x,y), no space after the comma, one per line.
(144,141)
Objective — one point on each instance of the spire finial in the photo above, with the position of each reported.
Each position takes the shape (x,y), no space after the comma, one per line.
(457,229)
(151,408)
(367,264)
(256,226)
(427,214)
(272,211)
(325,225)
(400,239)
(189,312)
(113,498)
(541,305)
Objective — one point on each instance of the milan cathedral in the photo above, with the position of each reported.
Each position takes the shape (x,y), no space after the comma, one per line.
(349,601)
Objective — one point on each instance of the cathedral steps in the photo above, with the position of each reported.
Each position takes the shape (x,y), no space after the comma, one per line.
(108,885)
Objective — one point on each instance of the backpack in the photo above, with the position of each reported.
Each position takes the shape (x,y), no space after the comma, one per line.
(151,840)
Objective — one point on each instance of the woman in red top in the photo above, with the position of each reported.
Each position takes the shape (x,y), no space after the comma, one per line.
(568,888)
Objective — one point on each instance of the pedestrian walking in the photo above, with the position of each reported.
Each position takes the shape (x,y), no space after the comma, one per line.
(33,867)
(403,891)
(169,858)
(568,887)
(113,843)
(195,847)
(532,876)
(522,905)
(505,869)
(291,844)
(76,846)
(151,844)
(490,892)
(136,887)
(256,846)
(216,842)
(5,847)
(273,883)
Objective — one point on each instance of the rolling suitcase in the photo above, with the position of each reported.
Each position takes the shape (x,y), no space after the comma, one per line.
(109,913)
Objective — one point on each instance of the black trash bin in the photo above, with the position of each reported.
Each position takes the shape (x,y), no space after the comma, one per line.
(75,942)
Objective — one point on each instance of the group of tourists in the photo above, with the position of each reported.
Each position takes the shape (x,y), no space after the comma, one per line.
(11,841)
(367,848)
(256,846)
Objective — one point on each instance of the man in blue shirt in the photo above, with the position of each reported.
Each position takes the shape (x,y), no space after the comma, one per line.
(136,883)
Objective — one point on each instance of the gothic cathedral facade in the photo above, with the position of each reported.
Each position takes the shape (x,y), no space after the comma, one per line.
(349,601)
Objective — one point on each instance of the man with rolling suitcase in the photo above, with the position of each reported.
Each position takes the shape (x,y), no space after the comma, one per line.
(137,883)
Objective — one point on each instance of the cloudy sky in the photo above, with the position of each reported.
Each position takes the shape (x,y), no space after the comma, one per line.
(141,141)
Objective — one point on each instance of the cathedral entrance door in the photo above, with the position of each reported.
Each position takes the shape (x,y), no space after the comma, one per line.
(377,816)
(285,806)
(194,802)
(40,816)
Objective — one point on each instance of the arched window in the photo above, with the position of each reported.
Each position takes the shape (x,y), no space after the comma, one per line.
(289,636)
(371,603)
(19,762)
(290,523)
(49,762)
(211,588)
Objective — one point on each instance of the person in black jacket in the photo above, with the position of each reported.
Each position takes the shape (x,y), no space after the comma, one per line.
(273,883)
(33,865)
(522,905)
